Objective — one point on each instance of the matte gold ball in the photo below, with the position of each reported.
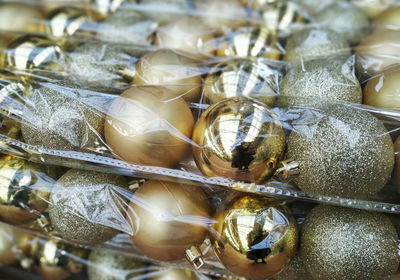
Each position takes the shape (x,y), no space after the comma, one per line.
(167,219)
(143,126)
(238,138)
(389,19)
(175,274)
(383,90)
(255,237)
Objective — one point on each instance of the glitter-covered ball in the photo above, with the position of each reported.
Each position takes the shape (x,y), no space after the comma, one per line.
(87,207)
(341,151)
(348,244)
(321,79)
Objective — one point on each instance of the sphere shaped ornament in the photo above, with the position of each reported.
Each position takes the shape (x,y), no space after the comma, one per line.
(101,9)
(55,118)
(87,207)
(249,77)
(383,90)
(251,40)
(143,126)
(320,80)
(389,19)
(24,190)
(255,237)
(12,244)
(166,67)
(341,151)
(167,219)
(174,274)
(348,244)
(373,8)
(111,265)
(238,138)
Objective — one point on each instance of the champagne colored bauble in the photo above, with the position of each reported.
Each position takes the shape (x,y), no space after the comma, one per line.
(167,219)
(250,40)
(149,125)
(383,90)
(378,51)
(101,9)
(255,237)
(341,151)
(57,260)
(164,10)
(23,189)
(113,265)
(295,270)
(348,244)
(346,19)
(166,67)
(322,79)
(373,8)
(174,274)
(13,242)
(389,19)
(186,35)
(238,138)
(86,207)
(55,118)
(236,77)
(312,43)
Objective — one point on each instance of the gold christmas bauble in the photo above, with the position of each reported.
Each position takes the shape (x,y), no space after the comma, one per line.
(373,8)
(23,190)
(186,35)
(344,243)
(86,207)
(149,125)
(383,90)
(174,274)
(250,40)
(166,67)
(101,9)
(13,244)
(255,237)
(378,51)
(238,138)
(107,264)
(389,19)
(236,77)
(167,219)
(320,80)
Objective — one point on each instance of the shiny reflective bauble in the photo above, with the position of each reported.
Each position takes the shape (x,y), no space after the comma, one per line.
(88,207)
(163,10)
(55,118)
(344,243)
(295,270)
(388,19)
(341,151)
(346,19)
(186,35)
(373,8)
(149,125)
(166,67)
(312,43)
(255,237)
(24,187)
(57,260)
(35,54)
(322,79)
(101,9)
(13,244)
(255,41)
(383,90)
(174,274)
(250,77)
(378,51)
(113,265)
(167,219)
(238,138)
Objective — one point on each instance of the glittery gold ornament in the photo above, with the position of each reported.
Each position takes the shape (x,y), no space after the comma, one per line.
(250,77)
(167,219)
(87,207)
(166,67)
(255,237)
(143,126)
(24,190)
(383,91)
(55,118)
(348,244)
(323,79)
(295,270)
(346,19)
(312,43)
(57,260)
(250,40)
(377,52)
(13,244)
(388,19)
(101,9)
(164,10)
(186,35)
(174,274)
(113,265)
(340,151)
(238,138)
(373,8)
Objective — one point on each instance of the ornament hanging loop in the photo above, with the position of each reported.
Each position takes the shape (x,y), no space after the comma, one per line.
(195,257)
(286,169)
